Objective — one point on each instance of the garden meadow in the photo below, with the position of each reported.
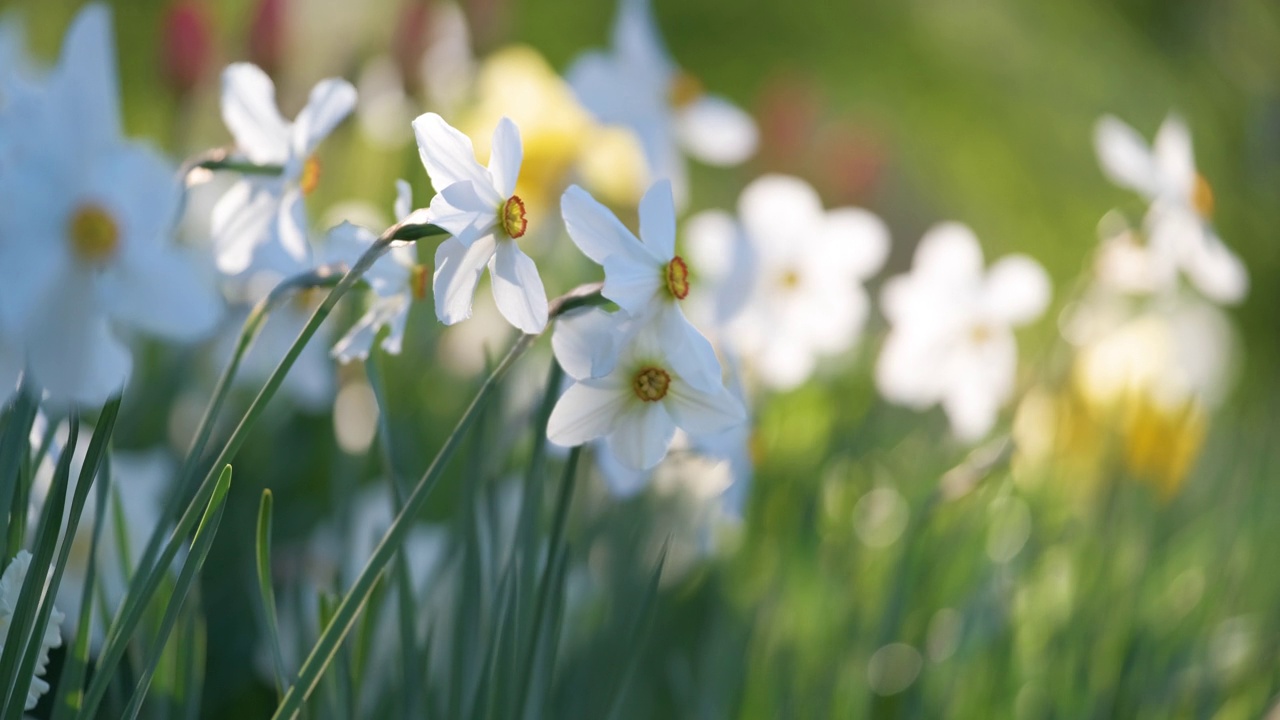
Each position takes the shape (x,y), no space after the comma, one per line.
(537,360)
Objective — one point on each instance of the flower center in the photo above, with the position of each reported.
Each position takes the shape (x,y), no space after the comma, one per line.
(651,384)
(684,90)
(789,280)
(93,233)
(1202,197)
(512,217)
(980,333)
(419,281)
(310,177)
(677,277)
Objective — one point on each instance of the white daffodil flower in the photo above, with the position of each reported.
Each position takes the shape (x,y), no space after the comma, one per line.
(644,393)
(793,291)
(268,210)
(639,86)
(397,281)
(951,340)
(1178,224)
(10,587)
(479,208)
(86,218)
(643,275)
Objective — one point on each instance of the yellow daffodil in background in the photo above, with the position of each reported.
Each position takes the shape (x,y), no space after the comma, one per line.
(562,143)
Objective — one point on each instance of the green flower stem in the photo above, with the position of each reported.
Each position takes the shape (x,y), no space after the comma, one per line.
(148,579)
(326,647)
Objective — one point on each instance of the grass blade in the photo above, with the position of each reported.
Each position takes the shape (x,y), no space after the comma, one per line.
(186,578)
(267,591)
(23,627)
(326,647)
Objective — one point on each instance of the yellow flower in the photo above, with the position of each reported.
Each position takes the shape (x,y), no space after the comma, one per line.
(561,139)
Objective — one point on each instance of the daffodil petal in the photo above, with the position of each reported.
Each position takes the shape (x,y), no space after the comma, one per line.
(717,132)
(517,288)
(458,269)
(658,220)
(330,102)
(642,435)
(505,156)
(587,410)
(249,110)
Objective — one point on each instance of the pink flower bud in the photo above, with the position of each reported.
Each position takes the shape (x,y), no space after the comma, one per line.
(186,45)
(266,35)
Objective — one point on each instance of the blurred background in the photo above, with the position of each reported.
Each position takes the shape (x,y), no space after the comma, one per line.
(880,570)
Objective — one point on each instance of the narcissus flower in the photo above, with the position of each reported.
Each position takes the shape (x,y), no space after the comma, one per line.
(266,209)
(788,279)
(1179,222)
(10,587)
(643,275)
(635,397)
(479,208)
(397,281)
(951,340)
(639,86)
(85,217)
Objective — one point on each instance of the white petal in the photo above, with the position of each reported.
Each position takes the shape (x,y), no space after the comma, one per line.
(356,343)
(784,365)
(458,269)
(249,110)
(449,157)
(587,410)
(642,435)
(948,250)
(699,412)
(1017,290)
(330,102)
(980,380)
(1125,157)
(630,284)
(689,351)
(586,342)
(1175,158)
(71,350)
(604,87)
(242,219)
(658,220)
(465,225)
(505,155)
(772,204)
(595,229)
(908,370)
(291,227)
(404,200)
(622,481)
(517,288)
(163,294)
(345,243)
(637,40)
(857,241)
(87,70)
(717,132)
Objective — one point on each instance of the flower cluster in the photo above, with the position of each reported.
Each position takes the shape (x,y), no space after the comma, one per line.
(85,217)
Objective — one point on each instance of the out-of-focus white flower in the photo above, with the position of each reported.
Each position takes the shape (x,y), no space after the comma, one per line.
(639,86)
(796,292)
(396,280)
(139,484)
(84,219)
(10,587)
(646,278)
(951,340)
(637,396)
(479,208)
(310,383)
(268,210)
(1178,224)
